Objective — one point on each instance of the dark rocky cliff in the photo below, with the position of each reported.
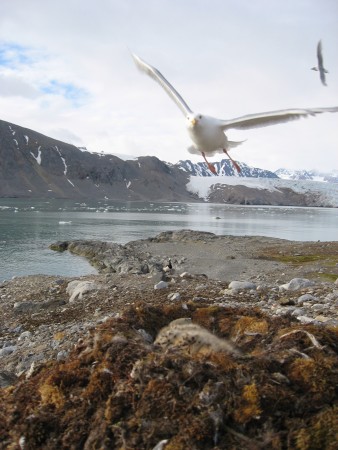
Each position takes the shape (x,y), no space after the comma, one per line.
(34,165)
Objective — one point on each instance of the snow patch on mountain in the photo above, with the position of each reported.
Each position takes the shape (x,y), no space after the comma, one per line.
(37,158)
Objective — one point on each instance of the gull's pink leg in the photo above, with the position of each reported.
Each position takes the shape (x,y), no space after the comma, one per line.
(211,167)
(233,162)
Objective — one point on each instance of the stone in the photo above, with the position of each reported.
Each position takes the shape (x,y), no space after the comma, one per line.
(200,287)
(7,350)
(62,355)
(161,285)
(200,299)
(332,296)
(226,292)
(318,307)
(295,284)
(80,288)
(305,319)
(322,318)
(24,335)
(145,336)
(174,296)
(22,307)
(298,312)
(241,285)
(186,275)
(306,298)
(284,301)
(7,378)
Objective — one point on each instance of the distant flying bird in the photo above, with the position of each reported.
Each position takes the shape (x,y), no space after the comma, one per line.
(320,67)
(207,132)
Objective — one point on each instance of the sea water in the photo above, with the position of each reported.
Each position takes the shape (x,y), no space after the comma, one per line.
(28,227)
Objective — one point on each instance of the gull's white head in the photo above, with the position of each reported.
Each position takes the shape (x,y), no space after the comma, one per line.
(194,120)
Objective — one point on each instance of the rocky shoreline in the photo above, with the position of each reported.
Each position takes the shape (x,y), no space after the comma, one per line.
(48,321)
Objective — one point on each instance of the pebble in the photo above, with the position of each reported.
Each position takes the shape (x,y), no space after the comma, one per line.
(24,335)
(174,296)
(62,355)
(7,350)
(306,298)
(240,285)
(161,285)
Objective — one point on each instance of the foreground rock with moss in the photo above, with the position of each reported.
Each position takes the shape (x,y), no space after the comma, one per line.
(85,364)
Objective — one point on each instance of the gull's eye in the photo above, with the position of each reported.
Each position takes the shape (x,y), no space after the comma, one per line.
(200,117)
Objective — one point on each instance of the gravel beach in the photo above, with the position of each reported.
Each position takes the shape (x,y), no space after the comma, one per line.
(44,319)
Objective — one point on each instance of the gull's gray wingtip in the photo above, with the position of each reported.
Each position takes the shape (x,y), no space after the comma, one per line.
(133,55)
(138,61)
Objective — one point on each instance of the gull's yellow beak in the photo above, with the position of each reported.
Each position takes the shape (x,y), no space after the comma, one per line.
(193,122)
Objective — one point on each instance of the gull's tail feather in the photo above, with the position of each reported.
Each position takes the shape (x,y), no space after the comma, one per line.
(193,150)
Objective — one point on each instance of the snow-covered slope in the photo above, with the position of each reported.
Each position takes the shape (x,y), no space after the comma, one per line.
(315,175)
(325,194)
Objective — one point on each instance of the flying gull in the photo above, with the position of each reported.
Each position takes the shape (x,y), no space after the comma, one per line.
(207,133)
(320,67)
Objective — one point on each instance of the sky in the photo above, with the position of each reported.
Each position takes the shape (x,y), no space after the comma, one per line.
(66,72)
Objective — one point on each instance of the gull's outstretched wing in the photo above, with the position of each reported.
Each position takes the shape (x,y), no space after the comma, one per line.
(320,55)
(272,117)
(321,63)
(322,77)
(157,76)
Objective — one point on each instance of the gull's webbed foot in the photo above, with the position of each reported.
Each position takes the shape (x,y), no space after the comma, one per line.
(233,162)
(212,169)
(210,166)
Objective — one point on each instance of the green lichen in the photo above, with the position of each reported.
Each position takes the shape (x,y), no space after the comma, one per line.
(304,259)
(328,276)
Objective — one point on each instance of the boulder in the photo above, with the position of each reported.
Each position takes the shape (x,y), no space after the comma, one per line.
(161,285)
(77,288)
(295,284)
(241,285)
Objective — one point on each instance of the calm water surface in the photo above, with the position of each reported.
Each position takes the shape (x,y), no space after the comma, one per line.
(28,227)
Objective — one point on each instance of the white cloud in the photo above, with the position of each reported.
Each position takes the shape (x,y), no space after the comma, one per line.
(14,86)
(66,66)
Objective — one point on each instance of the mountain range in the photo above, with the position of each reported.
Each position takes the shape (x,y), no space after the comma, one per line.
(225,168)
(34,165)
(313,175)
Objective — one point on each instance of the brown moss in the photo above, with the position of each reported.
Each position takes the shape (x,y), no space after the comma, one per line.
(100,384)
(311,374)
(223,360)
(251,325)
(321,432)
(118,391)
(249,405)
(51,395)
(207,317)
